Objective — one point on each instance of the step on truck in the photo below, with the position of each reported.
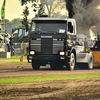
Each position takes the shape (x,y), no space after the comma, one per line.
(53,41)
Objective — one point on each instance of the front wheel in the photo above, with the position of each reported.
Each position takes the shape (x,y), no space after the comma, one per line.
(71,64)
(35,65)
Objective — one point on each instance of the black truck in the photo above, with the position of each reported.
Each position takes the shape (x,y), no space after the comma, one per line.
(53,41)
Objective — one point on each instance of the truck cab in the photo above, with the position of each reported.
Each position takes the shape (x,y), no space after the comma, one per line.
(52,41)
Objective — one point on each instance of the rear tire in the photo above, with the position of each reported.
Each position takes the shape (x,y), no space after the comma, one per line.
(35,65)
(71,64)
(88,65)
(91,61)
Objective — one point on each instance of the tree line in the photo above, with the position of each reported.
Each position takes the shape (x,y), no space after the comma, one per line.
(42,7)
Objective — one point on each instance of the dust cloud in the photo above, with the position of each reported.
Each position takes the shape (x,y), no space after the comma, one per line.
(85,12)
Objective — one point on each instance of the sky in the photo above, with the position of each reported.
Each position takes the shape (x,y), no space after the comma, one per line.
(13,9)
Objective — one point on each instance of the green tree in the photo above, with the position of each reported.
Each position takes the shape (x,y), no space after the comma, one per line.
(25,19)
(24,2)
(58,14)
(11,24)
(50,5)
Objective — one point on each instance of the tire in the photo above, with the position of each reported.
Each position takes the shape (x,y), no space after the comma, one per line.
(72,62)
(35,65)
(90,62)
(88,65)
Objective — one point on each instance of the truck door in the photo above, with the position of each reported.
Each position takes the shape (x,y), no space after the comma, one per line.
(71,31)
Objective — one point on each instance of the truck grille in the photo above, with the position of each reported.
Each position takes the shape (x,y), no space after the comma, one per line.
(46,46)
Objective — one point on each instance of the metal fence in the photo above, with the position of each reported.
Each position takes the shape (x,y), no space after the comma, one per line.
(19,48)
(21,45)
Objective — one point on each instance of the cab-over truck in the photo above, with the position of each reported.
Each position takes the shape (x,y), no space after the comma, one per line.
(53,41)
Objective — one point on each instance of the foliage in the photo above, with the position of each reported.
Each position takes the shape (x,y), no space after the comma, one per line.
(15,23)
(18,80)
(41,10)
(14,57)
(24,2)
(10,24)
(50,5)
(25,20)
(58,14)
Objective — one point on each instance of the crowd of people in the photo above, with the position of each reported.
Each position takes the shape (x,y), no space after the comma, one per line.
(9,43)
(93,44)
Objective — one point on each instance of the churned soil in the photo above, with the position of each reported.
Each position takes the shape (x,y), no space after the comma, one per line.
(74,89)
(78,89)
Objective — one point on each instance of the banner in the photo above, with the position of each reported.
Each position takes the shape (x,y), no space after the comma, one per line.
(3,10)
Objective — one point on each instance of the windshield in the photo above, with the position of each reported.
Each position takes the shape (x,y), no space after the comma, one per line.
(15,35)
(49,26)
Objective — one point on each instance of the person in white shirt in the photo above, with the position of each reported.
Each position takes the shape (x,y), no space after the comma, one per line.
(82,42)
(7,42)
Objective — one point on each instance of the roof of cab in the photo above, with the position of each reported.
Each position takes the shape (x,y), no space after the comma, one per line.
(49,18)
(53,18)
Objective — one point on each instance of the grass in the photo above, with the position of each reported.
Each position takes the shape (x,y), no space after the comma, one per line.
(14,57)
(45,78)
(24,62)
(17,56)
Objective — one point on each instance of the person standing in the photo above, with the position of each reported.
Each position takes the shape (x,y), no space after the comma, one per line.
(7,42)
(97,44)
(86,44)
(77,42)
(91,44)
(95,40)
(82,42)
(11,44)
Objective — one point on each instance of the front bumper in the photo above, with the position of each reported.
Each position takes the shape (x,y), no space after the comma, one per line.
(46,57)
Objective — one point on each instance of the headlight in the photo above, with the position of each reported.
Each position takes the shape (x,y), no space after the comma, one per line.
(62,53)
(32,52)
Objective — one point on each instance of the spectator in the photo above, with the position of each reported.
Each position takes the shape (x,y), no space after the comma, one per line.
(7,42)
(95,39)
(86,44)
(77,42)
(11,44)
(91,44)
(97,44)
(82,42)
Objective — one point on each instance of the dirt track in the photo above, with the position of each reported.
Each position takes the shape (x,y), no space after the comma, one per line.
(18,70)
(80,89)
